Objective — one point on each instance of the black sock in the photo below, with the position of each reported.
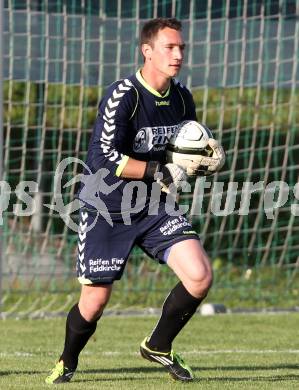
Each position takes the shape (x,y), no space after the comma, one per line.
(177,310)
(77,333)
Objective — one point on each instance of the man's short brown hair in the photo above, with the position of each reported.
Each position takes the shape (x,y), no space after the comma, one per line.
(153,26)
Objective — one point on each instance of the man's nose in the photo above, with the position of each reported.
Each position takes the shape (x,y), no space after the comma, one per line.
(178,53)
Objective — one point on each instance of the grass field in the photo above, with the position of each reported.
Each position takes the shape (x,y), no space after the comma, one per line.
(231,351)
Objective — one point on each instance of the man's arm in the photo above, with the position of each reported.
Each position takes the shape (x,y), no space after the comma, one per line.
(134,169)
(169,176)
(109,142)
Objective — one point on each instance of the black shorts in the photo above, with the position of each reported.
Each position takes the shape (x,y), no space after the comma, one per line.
(103,250)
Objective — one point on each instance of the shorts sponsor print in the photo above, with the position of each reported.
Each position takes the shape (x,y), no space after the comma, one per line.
(104,250)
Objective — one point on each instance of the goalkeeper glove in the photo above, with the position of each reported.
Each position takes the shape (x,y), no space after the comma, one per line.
(169,176)
(205,166)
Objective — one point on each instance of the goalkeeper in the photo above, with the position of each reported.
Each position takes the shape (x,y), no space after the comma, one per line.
(135,120)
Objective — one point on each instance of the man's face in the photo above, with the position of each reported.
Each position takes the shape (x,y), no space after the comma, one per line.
(165,54)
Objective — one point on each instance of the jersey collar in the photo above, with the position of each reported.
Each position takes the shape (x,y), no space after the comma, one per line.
(149,88)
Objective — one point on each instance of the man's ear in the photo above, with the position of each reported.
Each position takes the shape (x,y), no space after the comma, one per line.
(146,50)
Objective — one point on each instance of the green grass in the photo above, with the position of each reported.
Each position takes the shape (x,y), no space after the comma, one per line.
(225,351)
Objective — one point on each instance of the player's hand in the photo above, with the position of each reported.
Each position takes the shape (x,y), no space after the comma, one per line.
(218,155)
(204,165)
(170,177)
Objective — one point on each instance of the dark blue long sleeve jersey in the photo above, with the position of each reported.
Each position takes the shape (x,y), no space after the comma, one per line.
(133,120)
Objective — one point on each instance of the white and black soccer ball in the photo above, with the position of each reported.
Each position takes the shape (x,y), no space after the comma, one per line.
(189,143)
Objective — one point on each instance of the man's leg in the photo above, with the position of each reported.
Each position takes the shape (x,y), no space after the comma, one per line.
(81,323)
(190,262)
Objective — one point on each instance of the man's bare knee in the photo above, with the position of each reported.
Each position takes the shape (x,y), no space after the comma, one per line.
(204,287)
(93,300)
(200,284)
(206,283)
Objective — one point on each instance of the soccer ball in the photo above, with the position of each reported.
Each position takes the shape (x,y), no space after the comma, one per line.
(189,143)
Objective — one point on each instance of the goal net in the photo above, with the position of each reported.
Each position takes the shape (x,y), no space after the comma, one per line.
(241,63)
